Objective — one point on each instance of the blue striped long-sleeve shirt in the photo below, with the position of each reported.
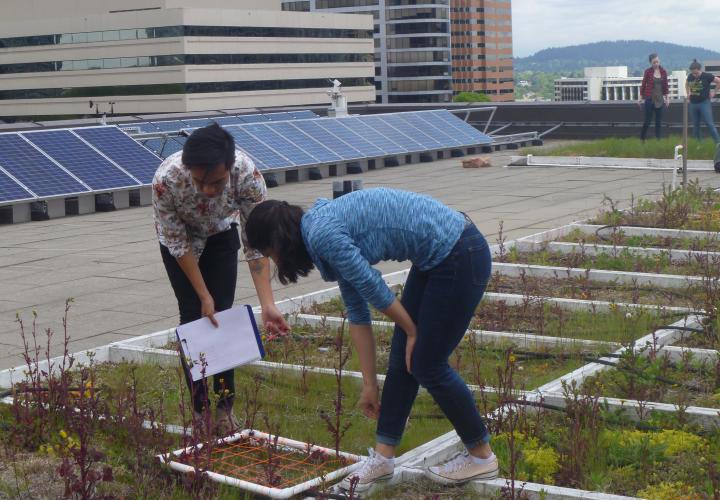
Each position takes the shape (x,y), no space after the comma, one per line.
(346,236)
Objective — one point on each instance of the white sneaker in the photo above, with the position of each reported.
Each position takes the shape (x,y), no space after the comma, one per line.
(461,469)
(374,468)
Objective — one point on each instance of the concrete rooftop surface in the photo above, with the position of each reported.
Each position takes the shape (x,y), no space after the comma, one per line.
(110,264)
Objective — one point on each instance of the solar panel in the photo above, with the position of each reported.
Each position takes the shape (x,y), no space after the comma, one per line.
(263,156)
(170,125)
(335,127)
(172,145)
(427,129)
(145,127)
(224,121)
(33,169)
(442,120)
(276,117)
(378,123)
(302,115)
(124,151)
(253,118)
(304,141)
(154,145)
(372,135)
(77,157)
(198,122)
(330,141)
(277,142)
(400,123)
(11,190)
(471,135)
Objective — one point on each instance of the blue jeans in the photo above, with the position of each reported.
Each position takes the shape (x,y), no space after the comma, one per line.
(649,110)
(441,302)
(703,111)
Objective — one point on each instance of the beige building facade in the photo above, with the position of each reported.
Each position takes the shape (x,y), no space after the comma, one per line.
(156,56)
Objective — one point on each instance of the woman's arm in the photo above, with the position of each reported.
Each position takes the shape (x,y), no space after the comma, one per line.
(273,319)
(364,342)
(643,86)
(400,316)
(716,80)
(251,190)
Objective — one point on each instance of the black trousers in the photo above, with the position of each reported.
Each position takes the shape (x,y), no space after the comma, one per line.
(650,109)
(218,266)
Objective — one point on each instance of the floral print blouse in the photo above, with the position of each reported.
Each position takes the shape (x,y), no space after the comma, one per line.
(184,218)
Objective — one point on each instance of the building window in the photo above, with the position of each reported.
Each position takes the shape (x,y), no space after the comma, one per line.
(178,31)
(414,28)
(417,71)
(179,59)
(177,88)
(339,4)
(302,6)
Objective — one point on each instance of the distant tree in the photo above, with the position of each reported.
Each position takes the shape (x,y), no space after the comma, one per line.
(471,97)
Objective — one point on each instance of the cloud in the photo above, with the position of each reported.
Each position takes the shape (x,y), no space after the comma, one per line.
(539,24)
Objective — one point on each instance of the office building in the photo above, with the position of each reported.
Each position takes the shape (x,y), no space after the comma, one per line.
(429,50)
(482,48)
(155,56)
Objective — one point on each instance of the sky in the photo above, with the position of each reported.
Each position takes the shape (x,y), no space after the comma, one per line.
(540,24)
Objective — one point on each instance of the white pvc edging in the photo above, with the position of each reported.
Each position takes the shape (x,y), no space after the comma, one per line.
(593,249)
(625,277)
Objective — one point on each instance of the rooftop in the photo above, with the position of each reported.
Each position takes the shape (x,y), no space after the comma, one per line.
(110,262)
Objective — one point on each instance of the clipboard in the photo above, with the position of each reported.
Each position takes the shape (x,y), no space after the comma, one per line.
(235,342)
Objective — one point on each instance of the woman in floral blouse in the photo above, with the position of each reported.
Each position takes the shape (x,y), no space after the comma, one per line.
(199,197)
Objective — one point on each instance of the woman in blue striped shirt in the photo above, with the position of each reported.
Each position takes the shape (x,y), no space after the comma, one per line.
(450,270)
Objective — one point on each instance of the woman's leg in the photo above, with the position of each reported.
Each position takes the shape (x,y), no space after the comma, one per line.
(647,109)
(705,111)
(694,112)
(658,122)
(400,387)
(451,296)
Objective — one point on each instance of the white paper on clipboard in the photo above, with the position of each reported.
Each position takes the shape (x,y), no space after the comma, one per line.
(235,342)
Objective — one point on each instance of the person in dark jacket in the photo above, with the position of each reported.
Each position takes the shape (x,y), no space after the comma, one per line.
(654,95)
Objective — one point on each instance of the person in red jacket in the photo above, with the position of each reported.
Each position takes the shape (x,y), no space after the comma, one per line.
(654,95)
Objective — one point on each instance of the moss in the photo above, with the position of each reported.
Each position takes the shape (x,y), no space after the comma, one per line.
(669,491)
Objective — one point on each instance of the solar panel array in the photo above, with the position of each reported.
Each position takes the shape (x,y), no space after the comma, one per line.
(53,163)
(300,143)
(223,120)
(56,163)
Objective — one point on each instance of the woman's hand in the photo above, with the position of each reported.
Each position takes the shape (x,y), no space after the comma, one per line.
(274,321)
(207,309)
(369,402)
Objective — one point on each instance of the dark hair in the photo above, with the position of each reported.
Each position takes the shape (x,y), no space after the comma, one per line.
(695,65)
(209,147)
(273,226)
(651,57)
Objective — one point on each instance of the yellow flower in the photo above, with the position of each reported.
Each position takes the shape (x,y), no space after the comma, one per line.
(63,434)
(512,358)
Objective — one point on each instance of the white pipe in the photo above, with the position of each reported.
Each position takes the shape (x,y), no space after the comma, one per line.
(678,157)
